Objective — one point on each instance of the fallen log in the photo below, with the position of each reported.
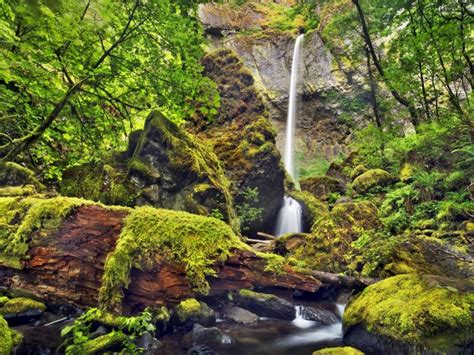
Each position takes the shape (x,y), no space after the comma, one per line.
(266,236)
(343,281)
(66,264)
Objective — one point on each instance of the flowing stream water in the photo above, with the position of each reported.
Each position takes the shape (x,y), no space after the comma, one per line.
(290,216)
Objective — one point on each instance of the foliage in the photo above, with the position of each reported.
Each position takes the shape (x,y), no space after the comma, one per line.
(79,335)
(245,210)
(77,75)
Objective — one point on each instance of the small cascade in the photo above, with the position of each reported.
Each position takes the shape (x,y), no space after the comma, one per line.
(290,215)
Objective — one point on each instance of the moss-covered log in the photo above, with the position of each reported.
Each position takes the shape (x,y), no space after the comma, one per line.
(75,258)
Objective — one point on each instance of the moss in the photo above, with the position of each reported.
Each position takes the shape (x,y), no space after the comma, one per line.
(406,172)
(6,341)
(187,309)
(372,178)
(20,305)
(19,218)
(104,342)
(256,295)
(3,300)
(316,208)
(17,190)
(417,309)
(194,241)
(322,186)
(13,174)
(17,338)
(357,171)
(346,350)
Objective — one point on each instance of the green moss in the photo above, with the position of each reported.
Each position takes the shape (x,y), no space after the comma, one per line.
(316,208)
(6,342)
(406,172)
(104,342)
(17,337)
(20,305)
(194,241)
(370,179)
(17,190)
(346,350)
(19,218)
(14,174)
(357,171)
(417,309)
(187,308)
(3,300)
(256,295)
(322,186)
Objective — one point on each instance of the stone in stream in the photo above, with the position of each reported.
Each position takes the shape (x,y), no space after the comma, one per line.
(320,315)
(192,311)
(204,336)
(266,305)
(239,315)
(200,350)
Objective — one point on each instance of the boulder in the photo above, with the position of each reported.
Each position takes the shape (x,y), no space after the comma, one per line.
(201,350)
(313,209)
(191,311)
(320,315)
(346,350)
(413,311)
(250,158)
(21,309)
(200,335)
(322,186)
(357,171)
(239,315)
(371,179)
(266,305)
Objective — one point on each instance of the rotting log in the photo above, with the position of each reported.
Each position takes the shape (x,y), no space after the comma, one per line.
(67,265)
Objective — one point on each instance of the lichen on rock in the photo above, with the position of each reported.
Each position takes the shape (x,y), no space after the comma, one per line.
(426,310)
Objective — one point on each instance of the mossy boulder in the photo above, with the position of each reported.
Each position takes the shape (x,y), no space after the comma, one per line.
(192,311)
(371,179)
(329,245)
(322,186)
(113,340)
(357,171)
(346,350)
(313,209)
(21,308)
(6,342)
(266,305)
(424,312)
(243,138)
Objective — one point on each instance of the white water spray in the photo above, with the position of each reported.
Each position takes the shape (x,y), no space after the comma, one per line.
(290,215)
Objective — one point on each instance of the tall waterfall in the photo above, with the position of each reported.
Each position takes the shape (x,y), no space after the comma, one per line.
(290,215)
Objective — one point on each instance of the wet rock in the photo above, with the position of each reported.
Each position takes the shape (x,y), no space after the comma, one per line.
(21,310)
(200,350)
(148,343)
(41,340)
(192,311)
(409,312)
(101,330)
(239,315)
(320,315)
(266,305)
(204,336)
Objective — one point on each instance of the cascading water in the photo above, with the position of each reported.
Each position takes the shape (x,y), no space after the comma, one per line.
(290,215)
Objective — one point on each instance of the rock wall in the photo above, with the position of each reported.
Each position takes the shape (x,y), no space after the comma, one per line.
(333,100)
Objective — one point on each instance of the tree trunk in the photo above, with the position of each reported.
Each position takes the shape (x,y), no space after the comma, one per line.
(67,265)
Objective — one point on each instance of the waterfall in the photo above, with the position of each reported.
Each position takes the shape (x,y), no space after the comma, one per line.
(290,215)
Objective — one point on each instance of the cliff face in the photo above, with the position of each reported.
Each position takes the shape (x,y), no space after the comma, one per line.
(333,100)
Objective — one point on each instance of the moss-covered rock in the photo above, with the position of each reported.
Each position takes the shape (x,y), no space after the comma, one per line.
(346,350)
(322,186)
(104,342)
(329,245)
(194,241)
(250,157)
(6,342)
(422,310)
(192,311)
(25,190)
(266,305)
(17,306)
(313,209)
(357,171)
(371,179)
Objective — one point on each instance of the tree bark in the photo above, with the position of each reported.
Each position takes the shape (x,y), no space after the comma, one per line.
(401,99)
(67,265)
